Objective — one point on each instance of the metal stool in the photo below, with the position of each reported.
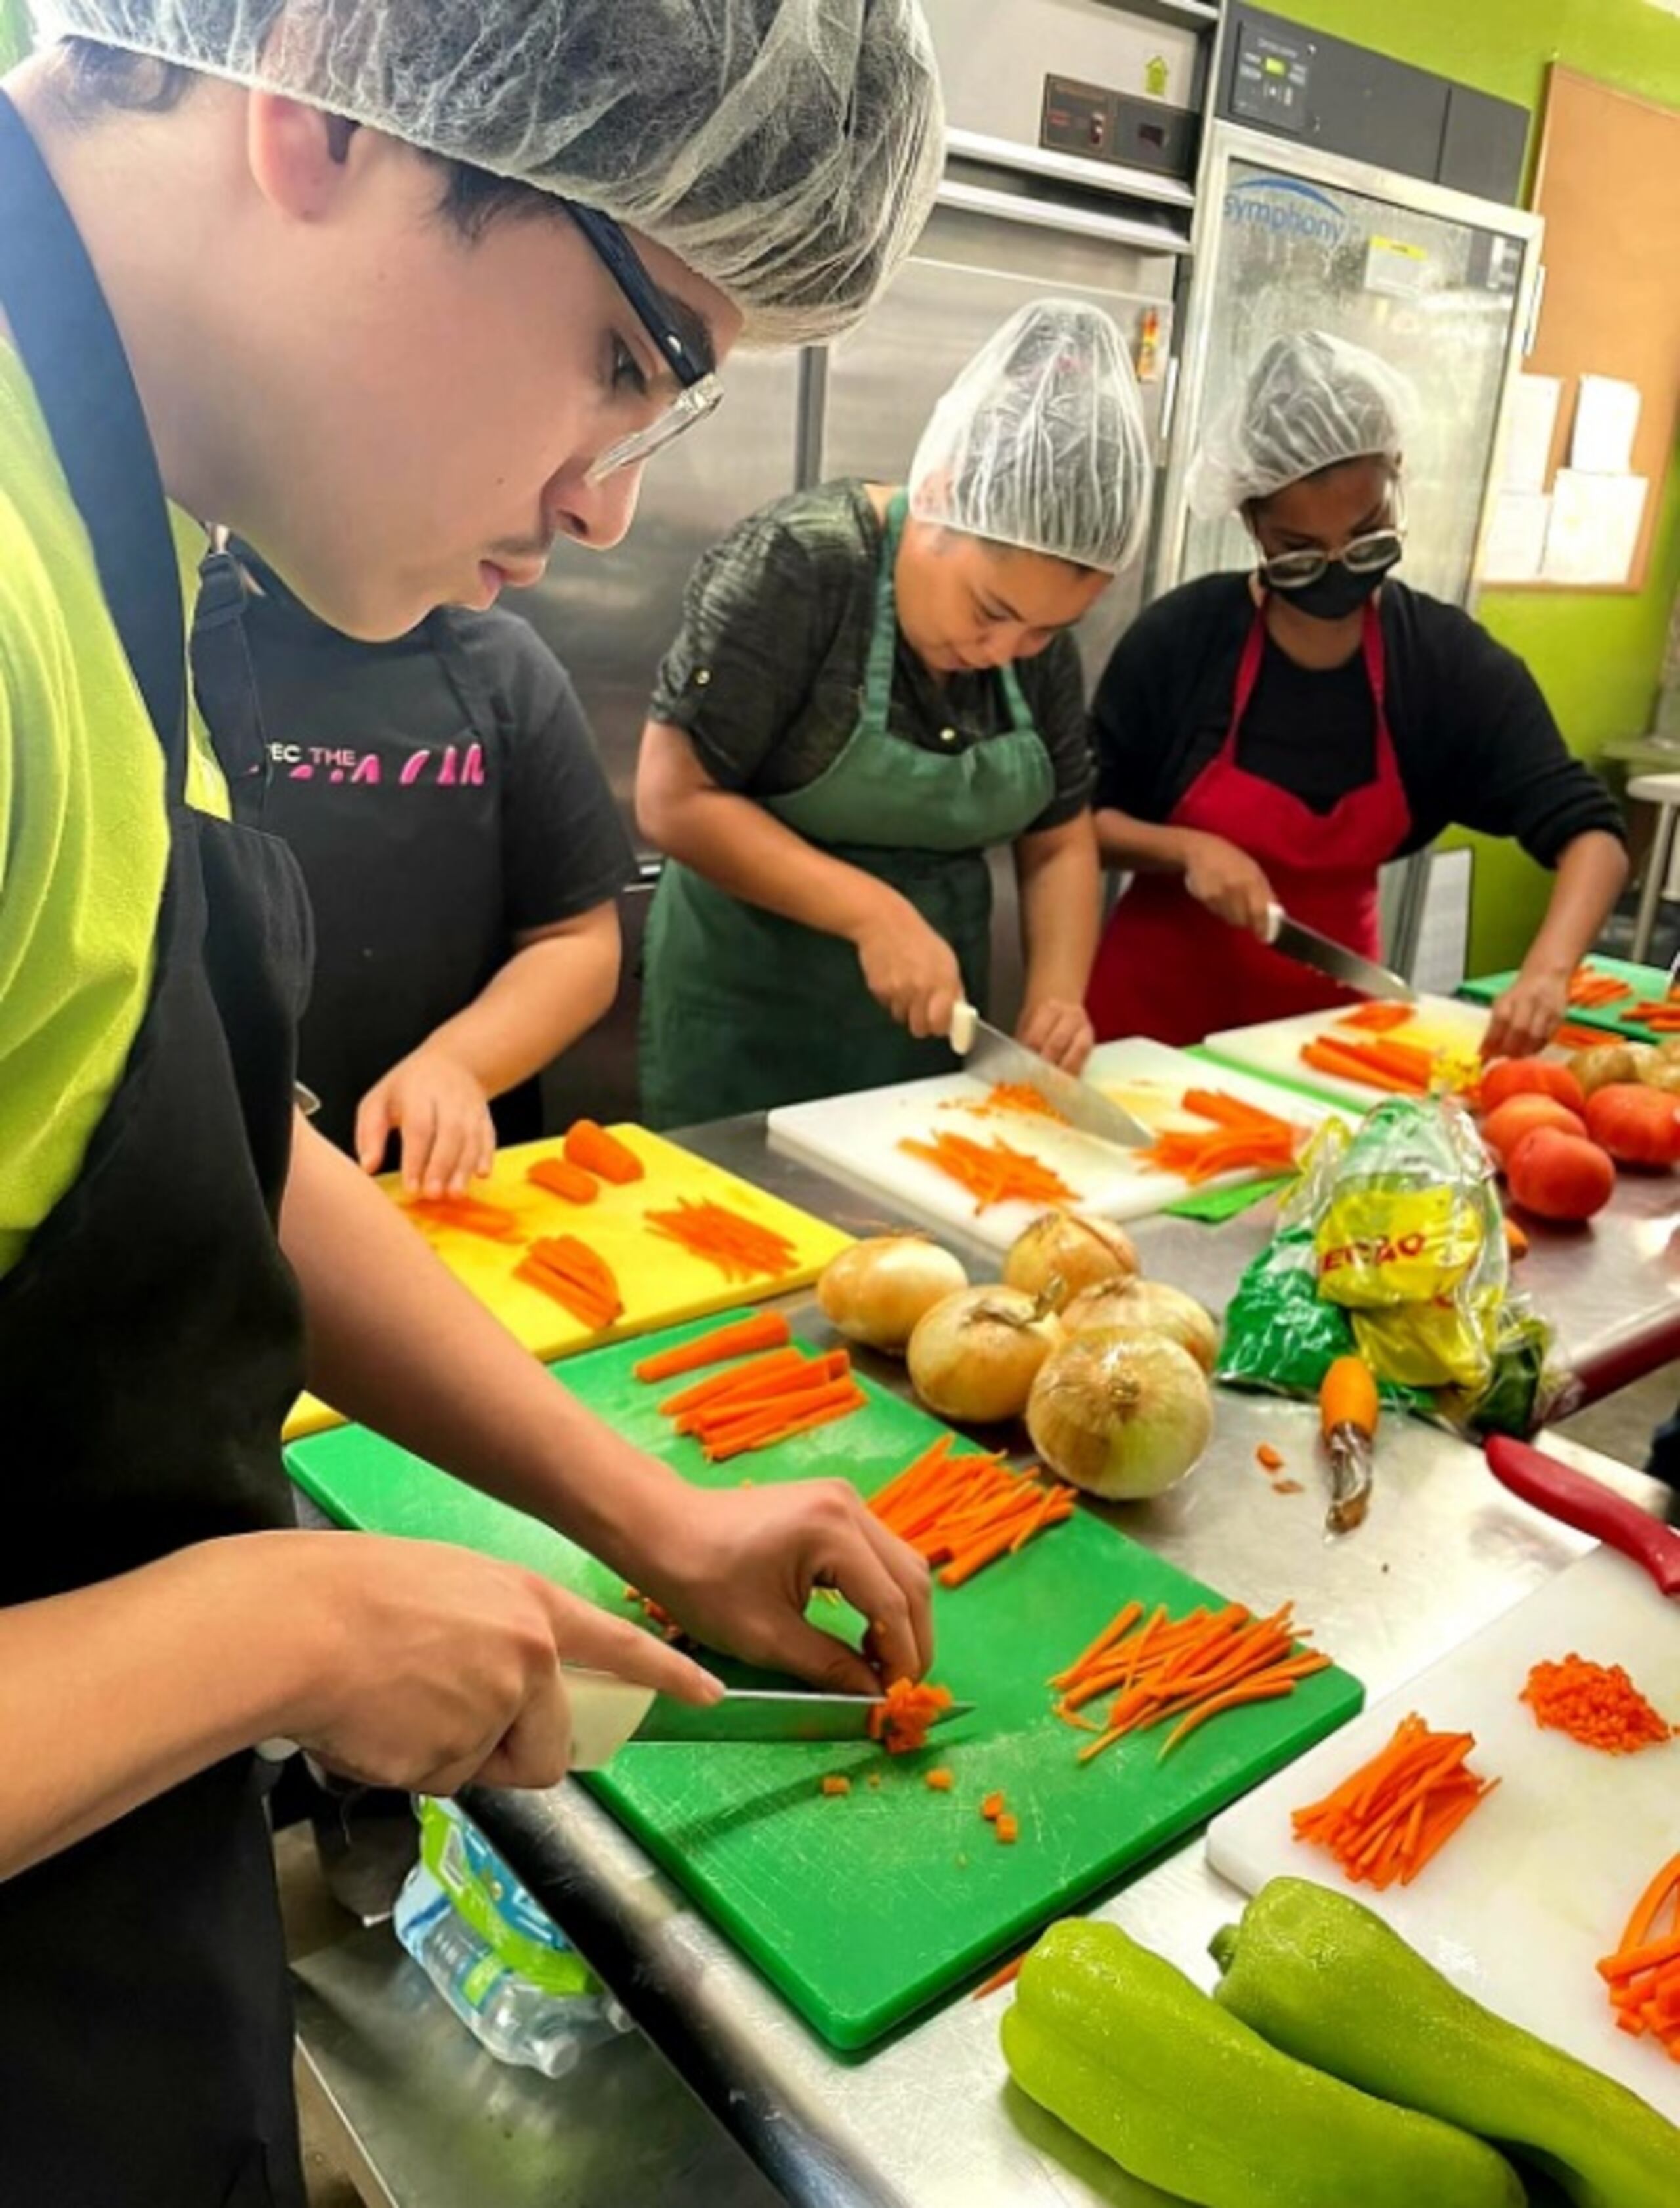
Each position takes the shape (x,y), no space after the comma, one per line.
(1662,790)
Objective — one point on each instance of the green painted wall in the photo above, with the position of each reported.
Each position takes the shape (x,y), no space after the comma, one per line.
(14,33)
(1596,657)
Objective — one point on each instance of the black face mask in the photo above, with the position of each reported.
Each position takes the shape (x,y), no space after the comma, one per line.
(1339,591)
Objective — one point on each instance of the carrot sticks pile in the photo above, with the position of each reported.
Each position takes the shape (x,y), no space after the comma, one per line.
(993,1172)
(1377,1018)
(1597,1704)
(741,1249)
(1390,1816)
(1660,1014)
(1246,1135)
(1191,1669)
(767,1400)
(1593,990)
(741,1337)
(962,1513)
(1643,1975)
(579,1280)
(470,1215)
(1401,1068)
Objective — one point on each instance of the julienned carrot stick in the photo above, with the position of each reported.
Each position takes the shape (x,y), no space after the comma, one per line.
(470,1214)
(764,1331)
(993,1172)
(1388,1818)
(739,1247)
(767,1400)
(964,1513)
(1333,1058)
(723,1383)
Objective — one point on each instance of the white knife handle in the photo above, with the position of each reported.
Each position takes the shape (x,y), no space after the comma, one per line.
(963,1022)
(605,1713)
(1274,923)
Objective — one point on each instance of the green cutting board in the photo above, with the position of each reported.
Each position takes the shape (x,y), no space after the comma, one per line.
(1646,981)
(863,1908)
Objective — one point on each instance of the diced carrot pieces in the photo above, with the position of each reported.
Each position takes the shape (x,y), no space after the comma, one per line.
(1270,1459)
(992,1808)
(1008,1829)
(938,1779)
(834,1783)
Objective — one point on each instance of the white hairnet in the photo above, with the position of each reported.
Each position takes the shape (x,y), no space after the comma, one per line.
(1311,401)
(1039,442)
(786,150)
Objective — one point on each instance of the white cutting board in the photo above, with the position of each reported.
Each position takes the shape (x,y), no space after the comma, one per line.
(1274,1045)
(858,1137)
(1538,1881)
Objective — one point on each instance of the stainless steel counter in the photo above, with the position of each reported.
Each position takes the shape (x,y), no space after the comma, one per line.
(929,2121)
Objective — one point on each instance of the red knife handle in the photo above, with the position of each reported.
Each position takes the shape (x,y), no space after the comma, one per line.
(1588,1506)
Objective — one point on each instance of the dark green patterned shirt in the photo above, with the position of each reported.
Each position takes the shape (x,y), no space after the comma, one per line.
(765,676)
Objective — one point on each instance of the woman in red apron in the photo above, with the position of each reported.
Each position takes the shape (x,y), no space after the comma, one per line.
(1274,739)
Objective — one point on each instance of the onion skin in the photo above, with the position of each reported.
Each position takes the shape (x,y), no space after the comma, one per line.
(875,1291)
(973,1356)
(1148,1307)
(1062,1251)
(1123,1415)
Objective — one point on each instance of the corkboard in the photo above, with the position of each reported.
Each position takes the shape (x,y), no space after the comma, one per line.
(1608,183)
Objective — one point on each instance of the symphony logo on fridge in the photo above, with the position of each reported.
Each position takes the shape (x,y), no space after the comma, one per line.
(1288,208)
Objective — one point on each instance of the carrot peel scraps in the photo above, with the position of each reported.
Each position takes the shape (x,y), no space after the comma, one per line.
(1597,1704)
(1391,1816)
(901,1719)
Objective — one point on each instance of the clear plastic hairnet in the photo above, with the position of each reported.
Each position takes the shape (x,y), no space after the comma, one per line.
(1311,401)
(786,150)
(1039,442)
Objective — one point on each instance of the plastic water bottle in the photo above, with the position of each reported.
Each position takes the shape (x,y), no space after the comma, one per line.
(516,2021)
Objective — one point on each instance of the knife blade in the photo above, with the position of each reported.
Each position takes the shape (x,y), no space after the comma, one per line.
(992,1056)
(608,1713)
(1589,1506)
(1310,948)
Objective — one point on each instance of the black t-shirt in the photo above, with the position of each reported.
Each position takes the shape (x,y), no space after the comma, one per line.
(443,796)
(1475,741)
(765,675)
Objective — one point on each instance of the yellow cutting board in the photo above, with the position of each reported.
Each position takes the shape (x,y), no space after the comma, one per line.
(661,1283)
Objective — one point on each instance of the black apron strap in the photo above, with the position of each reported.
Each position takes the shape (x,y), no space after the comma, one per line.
(74,353)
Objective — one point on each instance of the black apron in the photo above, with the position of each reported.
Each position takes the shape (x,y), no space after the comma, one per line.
(150,1343)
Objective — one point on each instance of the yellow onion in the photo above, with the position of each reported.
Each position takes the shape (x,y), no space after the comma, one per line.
(875,1291)
(1062,1251)
(973,1356)
(1121,1415)
(1147,1307)
(1603,1064)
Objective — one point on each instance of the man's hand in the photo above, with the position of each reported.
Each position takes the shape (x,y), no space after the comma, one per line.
(443,1116)
(1228,882)
(1528,1014)
(911,969)
(1059,1031)
(435,1668)
(737,1567)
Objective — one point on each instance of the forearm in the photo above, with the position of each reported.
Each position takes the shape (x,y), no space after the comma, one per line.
(1590,875)
(1061,909)
(1142,846)
(396,1343)
(739,846)
(534,1007)
(115,1693)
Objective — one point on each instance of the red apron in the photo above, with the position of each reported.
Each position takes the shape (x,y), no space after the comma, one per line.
(1168,968)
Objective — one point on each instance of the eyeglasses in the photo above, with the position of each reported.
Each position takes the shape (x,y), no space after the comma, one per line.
(701,392)
(1373,554)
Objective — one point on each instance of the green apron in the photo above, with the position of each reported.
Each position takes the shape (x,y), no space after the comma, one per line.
(742,1010)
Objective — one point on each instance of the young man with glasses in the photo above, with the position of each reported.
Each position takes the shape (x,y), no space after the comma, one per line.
(1274,739)
(398,293)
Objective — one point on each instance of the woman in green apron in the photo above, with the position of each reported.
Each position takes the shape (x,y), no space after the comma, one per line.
(872,688)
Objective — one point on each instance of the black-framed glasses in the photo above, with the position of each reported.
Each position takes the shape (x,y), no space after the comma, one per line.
(700,393)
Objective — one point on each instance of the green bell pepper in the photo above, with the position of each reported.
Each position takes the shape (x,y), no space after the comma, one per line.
(1123,2048)
(1328,1982)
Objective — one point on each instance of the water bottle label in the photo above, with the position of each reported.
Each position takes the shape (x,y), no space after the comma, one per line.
(488,1897)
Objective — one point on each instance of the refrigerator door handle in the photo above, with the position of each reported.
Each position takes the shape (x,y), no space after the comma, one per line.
(1046,214)
(1169,405)
(1531,335)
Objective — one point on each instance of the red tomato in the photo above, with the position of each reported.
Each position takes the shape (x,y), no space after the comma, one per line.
(1529,1076)
(1559,1176)
(1639,1125)
(1503,1129)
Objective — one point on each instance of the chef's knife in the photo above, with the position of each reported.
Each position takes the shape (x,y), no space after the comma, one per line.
(608,1713)
(1335,959)
(1588,1506)
(992,1056)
